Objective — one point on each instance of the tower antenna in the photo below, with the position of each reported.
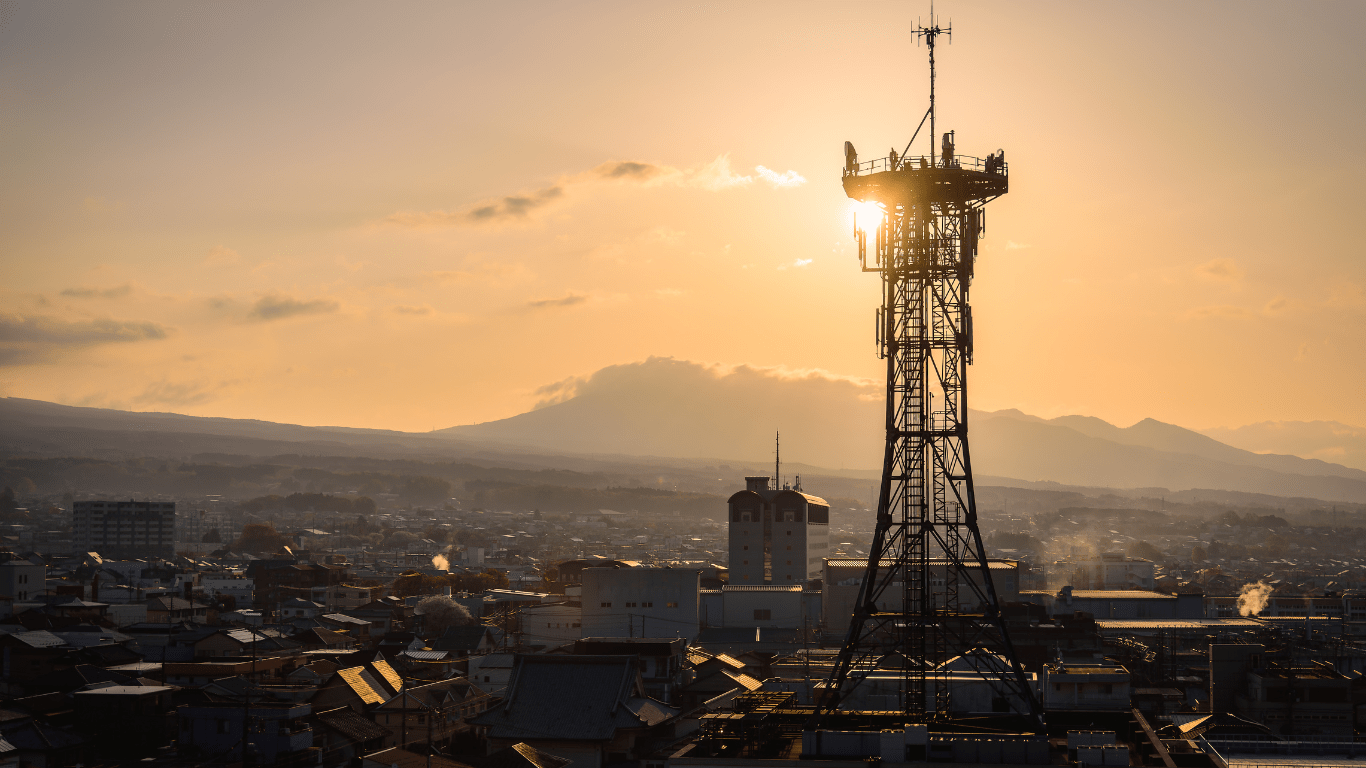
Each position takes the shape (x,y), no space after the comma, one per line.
(930,34)
(927,594)
(777,464)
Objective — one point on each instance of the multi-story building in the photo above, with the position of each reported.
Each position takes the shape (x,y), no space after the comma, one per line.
(843,577)
(777,535)
(1111,570)
(640,602)
(124,529)
(20,580)
(280,579)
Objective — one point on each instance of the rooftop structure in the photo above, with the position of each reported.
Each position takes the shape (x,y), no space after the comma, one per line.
(777,535)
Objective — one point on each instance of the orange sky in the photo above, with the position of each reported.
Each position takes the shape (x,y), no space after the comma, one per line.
(418,215)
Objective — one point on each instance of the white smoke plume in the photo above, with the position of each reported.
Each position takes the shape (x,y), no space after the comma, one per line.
(441,563)
(1252,598)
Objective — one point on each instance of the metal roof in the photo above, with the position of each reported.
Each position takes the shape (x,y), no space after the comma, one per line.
(1135,624)
(759,588)
(994,563)
(360,685)
(1120,594)
(426,655)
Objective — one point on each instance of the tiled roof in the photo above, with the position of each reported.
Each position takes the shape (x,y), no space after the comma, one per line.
(523,755)
(351,725)
(341,618)
(426,655)
(607,698)
(39,638)
(464,638)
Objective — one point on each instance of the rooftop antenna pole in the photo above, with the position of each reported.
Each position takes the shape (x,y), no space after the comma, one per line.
(777,464)
(930,34)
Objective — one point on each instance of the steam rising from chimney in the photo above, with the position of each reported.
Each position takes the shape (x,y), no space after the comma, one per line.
(1252,598)
(441,563)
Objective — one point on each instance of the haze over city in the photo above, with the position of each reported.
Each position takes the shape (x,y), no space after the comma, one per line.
(586,384)
(440,214)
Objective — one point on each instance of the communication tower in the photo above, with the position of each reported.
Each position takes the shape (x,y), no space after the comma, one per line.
(927,595)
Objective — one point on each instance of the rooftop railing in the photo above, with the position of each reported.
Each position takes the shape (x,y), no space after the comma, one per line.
(916,162)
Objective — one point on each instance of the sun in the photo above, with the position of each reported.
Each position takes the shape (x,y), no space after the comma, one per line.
(864,216)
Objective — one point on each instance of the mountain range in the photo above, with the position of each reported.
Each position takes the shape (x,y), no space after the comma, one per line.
(665,411)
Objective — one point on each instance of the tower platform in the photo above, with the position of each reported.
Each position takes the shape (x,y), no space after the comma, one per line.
(915,180)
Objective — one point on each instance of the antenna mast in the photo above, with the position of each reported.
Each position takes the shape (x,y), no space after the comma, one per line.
(777,464)
(928,594)
(929,35)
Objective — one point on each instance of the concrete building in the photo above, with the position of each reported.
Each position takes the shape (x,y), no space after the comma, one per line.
(763,606)
(552,624)
(840,585)
(124,529)
(777,536)
(1119,603)
(1095,686)
(225,583)
(20,580)
(1112,570)
(640,602)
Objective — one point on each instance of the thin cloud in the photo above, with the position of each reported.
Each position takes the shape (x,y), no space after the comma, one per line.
(512,207)
(567,301)
(116,292)
(1223,270)
(714,176)
(1276,306)
(413,310)
(780,180)
(629,169)
(275,307)
(1221,310)
(163,393)
(36,338)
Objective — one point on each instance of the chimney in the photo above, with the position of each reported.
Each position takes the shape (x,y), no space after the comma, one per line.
(756,484)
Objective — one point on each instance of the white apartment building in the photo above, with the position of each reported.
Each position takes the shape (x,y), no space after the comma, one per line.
(777,536)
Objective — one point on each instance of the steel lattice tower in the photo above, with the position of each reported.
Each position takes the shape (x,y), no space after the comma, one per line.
(927,594)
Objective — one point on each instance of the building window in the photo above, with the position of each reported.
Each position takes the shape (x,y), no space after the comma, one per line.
(606,605)
(745,562)
(763,614)
(789,547)
(666,605)
(746,547)
(647,605)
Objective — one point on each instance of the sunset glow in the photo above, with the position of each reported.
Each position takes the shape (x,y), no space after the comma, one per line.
(422,215)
